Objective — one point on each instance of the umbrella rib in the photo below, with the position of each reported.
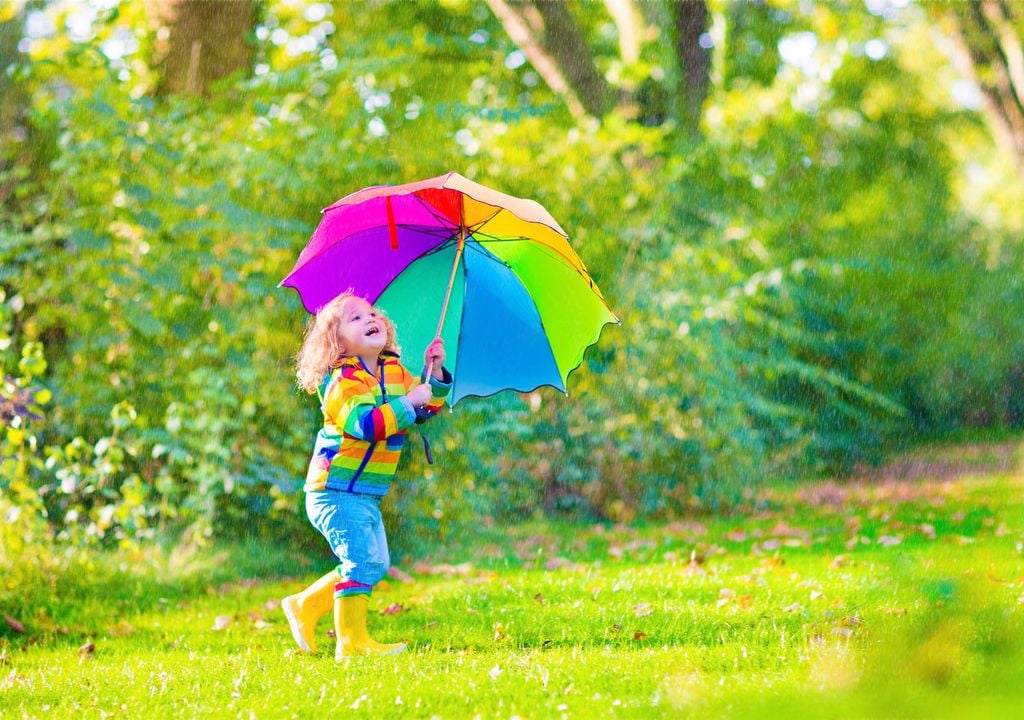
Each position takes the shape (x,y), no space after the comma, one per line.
(440,232)
(433,211)
(577,360)
(497,211)
(465,271)
(554,255)
(543,330)
(426,253)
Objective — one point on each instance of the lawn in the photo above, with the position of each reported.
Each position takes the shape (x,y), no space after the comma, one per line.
(894,596)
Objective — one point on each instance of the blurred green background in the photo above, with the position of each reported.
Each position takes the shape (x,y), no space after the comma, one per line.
(808,216)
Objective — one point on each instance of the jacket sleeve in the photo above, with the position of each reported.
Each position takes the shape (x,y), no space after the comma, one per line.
(351,406)
(439,390)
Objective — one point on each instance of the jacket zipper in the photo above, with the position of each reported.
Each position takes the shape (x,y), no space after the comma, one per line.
(373,445)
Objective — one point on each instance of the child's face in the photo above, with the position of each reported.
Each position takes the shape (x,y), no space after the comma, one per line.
(361,329)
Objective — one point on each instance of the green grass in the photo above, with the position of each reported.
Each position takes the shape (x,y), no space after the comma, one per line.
(899,599)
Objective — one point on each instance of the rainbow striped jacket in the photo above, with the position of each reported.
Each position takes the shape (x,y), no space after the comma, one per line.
(365,422)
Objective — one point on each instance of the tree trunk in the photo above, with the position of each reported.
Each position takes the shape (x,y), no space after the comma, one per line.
(10,93)
(573,55)
(14,133)
(547,33)
(202,41)
(630,24)
(690,20)
(990,35)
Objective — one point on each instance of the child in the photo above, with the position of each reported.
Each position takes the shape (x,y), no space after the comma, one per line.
(369,400)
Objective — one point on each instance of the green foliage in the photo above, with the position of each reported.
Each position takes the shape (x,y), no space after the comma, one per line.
(796,290)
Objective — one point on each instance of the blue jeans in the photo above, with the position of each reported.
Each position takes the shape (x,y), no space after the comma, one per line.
(355,531)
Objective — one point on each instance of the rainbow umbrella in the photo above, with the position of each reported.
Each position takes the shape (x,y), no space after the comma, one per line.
(517,307)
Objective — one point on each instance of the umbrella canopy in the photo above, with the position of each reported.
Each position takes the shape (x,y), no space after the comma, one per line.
(518,308)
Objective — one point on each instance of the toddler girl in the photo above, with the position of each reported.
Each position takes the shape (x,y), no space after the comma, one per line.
(369,400)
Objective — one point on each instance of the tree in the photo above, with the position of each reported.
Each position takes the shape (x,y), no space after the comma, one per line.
(549,36)
(202,41)
(990,36)
(553,39)
(11,97)
(690,21)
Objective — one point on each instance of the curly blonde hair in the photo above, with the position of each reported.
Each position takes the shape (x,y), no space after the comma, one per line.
(322,348)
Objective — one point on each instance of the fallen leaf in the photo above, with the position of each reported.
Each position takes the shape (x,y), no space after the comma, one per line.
(639,635)
(87,649)
(837,562)
(11,679)
(499,632)
(539,598)
(392,609)
(889,540)
(221,622)
(261,623)
(400,576)
(795,607)
(460,570)
(556,562)
(694,568)
(122,629)
(14,624)
(272,604)
(643,610)
(495,672)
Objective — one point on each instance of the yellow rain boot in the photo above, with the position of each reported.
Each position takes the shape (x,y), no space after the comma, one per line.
(350,627)
(305,608)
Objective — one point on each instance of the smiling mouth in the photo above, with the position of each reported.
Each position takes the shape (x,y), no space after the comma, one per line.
(372,331)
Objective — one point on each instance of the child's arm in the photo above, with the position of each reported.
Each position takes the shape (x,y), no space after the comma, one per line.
(439,389)
(351,405)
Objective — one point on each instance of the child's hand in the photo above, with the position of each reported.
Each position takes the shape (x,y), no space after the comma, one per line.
(420,395)
(434,358)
